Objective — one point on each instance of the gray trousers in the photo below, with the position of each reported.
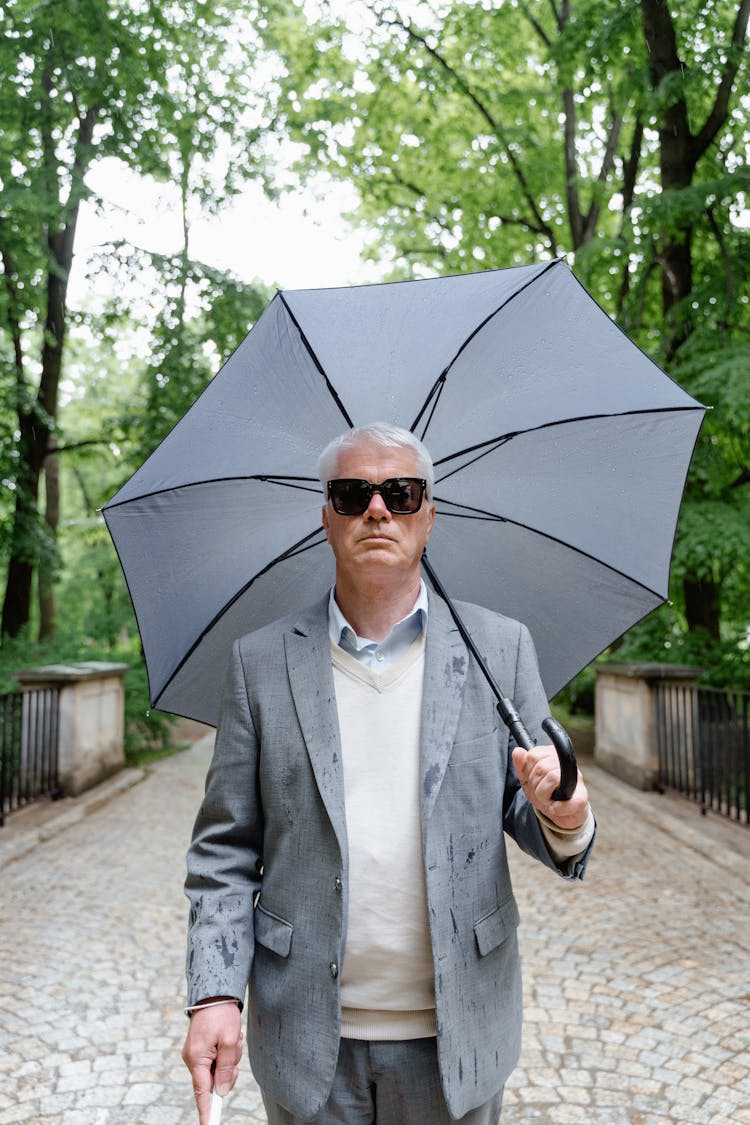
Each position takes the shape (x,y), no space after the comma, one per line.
(387,1083)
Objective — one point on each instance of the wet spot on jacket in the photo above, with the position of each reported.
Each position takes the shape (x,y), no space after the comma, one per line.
(470,856)
(460,1070)
(431,778)
(459,665)
(227,955)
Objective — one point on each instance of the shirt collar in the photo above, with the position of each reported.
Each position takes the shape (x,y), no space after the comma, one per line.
(342,633)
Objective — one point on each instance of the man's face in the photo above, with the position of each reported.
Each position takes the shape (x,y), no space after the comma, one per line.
(378,544)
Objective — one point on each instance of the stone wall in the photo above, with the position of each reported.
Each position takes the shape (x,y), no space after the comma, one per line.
(626,725)
(91,719)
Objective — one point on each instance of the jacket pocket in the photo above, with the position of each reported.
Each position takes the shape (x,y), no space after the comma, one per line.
(272,932)
(492,930)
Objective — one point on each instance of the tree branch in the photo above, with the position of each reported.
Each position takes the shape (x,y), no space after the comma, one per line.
(719,110)
(81,444)
(575,217)
(463,86)
(14,322)
(726,257)
(536,24)
(592,215)
(629,179)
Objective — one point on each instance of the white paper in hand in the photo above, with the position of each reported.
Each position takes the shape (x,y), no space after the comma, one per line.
(215,1117)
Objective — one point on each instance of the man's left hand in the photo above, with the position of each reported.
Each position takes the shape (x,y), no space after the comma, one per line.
(538,771)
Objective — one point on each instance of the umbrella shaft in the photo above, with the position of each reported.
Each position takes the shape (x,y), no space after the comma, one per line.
(505,707)
(514,723)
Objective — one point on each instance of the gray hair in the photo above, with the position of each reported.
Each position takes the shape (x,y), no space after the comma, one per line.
(382,433)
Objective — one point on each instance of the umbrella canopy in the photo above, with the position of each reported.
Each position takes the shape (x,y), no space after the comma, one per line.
(560,453)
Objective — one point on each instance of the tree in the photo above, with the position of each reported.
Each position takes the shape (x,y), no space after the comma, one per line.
(612,133)
(127,380)
(700,94)
(156,86)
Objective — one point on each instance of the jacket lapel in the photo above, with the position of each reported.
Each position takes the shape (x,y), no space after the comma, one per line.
(308,657)
(446,665)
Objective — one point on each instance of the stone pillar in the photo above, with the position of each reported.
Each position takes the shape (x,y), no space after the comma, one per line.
(91,719)
(626,719)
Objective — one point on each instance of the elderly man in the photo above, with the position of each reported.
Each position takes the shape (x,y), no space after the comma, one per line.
(348,860)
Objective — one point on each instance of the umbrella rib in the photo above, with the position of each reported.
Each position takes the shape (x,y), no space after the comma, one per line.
(481,514)
(440,381)
(290,482)
(491,444)
(332,390)
(307,543)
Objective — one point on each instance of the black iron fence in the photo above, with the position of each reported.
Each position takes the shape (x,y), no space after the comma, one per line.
(29,722)
(704,746)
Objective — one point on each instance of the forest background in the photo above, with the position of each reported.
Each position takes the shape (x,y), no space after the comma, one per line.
(475,135)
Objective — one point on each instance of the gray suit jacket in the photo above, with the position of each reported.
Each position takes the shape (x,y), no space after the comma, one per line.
(272,831)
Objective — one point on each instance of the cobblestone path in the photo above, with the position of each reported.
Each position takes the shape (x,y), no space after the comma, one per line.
(637,981)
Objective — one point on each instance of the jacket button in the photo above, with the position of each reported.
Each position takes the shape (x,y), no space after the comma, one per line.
(334,969)
(338,885)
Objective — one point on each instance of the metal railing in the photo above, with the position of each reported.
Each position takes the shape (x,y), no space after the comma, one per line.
(29,722)
(704,746)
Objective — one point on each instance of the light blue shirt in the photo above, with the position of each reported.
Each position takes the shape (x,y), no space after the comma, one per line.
(378,654)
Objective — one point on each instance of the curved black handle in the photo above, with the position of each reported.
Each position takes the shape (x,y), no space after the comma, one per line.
(568,769)
(559,738)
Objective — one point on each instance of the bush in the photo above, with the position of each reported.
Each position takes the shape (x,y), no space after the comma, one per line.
(577,697)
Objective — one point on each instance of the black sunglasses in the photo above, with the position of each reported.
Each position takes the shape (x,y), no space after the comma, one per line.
(401,495)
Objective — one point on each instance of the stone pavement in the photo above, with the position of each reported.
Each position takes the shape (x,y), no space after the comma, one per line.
(637,981)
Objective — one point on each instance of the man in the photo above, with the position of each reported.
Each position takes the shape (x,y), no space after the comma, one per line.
(349,856)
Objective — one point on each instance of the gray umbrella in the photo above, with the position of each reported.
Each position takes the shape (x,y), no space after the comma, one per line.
(561,452)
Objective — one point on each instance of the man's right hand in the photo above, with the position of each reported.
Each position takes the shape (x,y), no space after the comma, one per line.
(212,1051)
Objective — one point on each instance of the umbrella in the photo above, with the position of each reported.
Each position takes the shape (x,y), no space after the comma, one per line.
(560,451)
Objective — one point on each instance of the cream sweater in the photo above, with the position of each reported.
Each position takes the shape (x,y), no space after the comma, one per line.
(387,985)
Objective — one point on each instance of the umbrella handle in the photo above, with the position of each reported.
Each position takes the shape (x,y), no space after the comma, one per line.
(559,738)
(566,757)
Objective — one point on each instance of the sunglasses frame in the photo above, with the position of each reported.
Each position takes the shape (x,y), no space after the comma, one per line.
(373,488)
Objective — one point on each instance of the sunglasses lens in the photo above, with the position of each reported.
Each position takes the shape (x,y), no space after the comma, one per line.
(349,497)
(403,495)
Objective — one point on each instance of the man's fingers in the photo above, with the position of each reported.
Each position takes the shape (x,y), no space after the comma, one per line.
(537,766)
(202,1086)
(226,1070)
(212,1051)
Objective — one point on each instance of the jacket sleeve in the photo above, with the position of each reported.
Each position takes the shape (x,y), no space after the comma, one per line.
(224,861)
(519,818)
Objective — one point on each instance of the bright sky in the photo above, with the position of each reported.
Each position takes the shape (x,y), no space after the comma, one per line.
(301,242)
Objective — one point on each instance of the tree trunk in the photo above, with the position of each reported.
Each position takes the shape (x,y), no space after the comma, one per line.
(702,605)
(37,425)
(24,552)
(48,557)
(680,149)
(676,167)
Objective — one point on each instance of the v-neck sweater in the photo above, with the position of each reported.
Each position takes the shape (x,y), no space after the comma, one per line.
(387,979)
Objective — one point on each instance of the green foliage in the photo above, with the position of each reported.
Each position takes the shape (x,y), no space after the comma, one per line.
(664,638)
(577,697)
